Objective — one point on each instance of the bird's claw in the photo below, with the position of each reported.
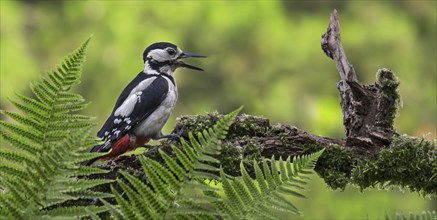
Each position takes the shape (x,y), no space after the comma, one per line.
(173,137)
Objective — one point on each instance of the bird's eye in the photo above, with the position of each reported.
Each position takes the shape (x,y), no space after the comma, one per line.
(171,52)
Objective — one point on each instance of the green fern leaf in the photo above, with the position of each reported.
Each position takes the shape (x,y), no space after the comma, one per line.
(155,204)
(88,194)
(74,212)
(260,178)
(188,150)
(164,173)
(12,156)
(172,164)
(157,183)
(31,109)
(125,208)
(24,120)
(253,190)
(268,175)
(246,201)
(22,131)
(138,207)
(40,167)
(275,172)
(183,159)
(207,158)
(235,201)
(115,213)
(19,144)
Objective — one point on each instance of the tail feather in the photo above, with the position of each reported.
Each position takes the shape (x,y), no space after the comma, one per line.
(89,162)
(102,147)
(120,147)
(98,148)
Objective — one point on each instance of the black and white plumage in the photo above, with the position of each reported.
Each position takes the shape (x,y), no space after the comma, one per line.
(144,106)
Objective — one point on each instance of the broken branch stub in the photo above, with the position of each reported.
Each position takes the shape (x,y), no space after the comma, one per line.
(368,110)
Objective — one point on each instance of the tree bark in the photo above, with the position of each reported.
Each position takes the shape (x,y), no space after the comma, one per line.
(368,110)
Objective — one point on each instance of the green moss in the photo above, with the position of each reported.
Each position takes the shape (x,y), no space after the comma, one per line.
(230,157)
(386,79)
(243,150)
(251,150)
(198,123)
(389,83)
(408,162)
(335,165)
(249,125)
(311,148)
(244,124)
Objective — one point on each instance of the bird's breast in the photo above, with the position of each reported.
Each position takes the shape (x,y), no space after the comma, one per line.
(153,124)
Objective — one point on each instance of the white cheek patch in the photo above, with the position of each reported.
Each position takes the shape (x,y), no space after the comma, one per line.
(159,55)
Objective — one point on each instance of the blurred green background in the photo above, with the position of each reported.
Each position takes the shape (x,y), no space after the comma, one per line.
(264,55)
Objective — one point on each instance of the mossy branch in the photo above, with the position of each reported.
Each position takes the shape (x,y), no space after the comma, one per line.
(372,153)
(408,161)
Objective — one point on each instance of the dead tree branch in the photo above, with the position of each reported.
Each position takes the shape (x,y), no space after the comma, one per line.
(368,110)
(372,153)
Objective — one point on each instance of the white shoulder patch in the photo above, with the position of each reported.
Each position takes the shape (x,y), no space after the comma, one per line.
(142,85)
(127,107)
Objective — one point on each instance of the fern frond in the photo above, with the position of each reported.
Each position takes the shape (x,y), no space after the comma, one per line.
(74,212)
(125,208)
(13,156)
(155,204)
(40,168)
(235,201)
(424,215)
(115,213)
(172,164)
(22,131)
(168,196)
(19,144)
(31,110)
(164,173)
(23,119)
(89,194)
(138,207)
(245,201)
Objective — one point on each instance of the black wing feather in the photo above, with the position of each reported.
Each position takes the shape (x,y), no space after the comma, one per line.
(124,94)
(149,101)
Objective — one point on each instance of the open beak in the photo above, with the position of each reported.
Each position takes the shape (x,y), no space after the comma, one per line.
(187,55)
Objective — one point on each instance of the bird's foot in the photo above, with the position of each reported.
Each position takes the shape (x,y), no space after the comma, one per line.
(171,137)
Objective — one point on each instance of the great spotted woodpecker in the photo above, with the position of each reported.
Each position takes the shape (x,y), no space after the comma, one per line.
(145,104)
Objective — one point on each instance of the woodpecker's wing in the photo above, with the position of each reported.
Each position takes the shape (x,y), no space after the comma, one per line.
(137,101)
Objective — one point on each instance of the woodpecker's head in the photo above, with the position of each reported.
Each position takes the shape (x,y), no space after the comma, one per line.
(165,57)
